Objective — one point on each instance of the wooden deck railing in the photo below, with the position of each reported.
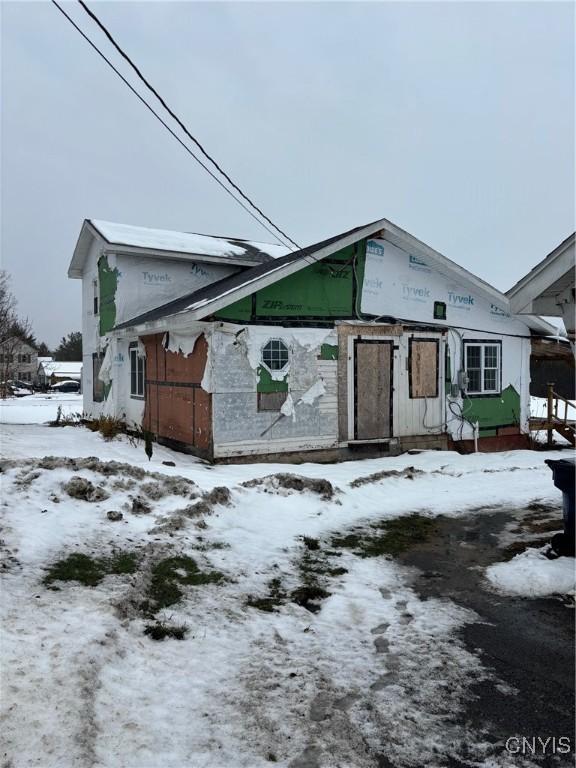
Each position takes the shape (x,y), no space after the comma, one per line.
(554,421)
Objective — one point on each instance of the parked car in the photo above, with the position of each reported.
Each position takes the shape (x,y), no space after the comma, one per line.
(66,386)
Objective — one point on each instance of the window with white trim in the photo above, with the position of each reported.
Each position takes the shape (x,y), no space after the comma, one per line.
(137,364)
(482,360)
(275,355)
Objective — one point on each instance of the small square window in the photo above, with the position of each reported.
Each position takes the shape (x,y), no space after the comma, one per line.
(439,310)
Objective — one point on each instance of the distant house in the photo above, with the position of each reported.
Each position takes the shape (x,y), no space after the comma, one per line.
(369,342)
(18,360)
(52,371)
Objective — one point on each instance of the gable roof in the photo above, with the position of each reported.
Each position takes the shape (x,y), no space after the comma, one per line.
(217,295)
(61,368)
(550,277)
(158,243)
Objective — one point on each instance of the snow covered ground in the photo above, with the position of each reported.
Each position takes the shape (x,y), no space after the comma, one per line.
(375,672)
(38,408)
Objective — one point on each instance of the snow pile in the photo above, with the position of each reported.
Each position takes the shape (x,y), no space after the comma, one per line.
(532,574)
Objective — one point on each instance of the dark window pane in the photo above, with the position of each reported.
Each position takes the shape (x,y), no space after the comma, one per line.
(490,379)
(473,356)
(491,357)
(474,381)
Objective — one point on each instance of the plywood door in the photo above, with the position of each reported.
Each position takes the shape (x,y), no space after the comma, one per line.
(373,389)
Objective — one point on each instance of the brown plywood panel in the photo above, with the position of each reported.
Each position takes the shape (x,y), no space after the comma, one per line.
(373,390)
(187,368)
(176,407)
(423,368)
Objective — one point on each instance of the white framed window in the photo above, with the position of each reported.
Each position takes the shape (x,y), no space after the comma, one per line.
(275,355)
(137,365)
(482,361)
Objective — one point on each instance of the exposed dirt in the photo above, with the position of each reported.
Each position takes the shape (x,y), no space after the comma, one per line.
(289,482)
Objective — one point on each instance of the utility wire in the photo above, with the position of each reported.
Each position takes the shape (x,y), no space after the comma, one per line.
(181,124)
(159,118)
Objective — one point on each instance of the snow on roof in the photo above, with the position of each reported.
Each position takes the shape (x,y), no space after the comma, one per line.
(182,242)
(61,367)
(45,360)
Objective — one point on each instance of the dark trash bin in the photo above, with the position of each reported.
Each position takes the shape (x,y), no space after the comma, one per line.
(563,473)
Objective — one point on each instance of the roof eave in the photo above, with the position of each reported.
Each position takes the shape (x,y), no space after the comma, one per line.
(528,288)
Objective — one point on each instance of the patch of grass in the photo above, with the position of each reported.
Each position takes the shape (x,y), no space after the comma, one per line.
(90,571)
(337,571)
(159,631)
(76,567)
(267,604)
(272,601)
(122,562)
(308,596)
(310,543)
(170,574)
(389,537)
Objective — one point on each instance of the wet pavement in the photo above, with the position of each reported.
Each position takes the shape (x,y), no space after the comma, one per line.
(527,642)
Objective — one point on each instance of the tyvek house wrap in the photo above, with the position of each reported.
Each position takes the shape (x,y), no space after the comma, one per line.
(402,285)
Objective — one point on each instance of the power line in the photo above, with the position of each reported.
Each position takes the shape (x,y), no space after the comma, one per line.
(181,124)
(159,118)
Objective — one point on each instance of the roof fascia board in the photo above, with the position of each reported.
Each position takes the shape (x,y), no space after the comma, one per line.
(82,249)
(180,323)
(552,268)
(134,250)
(284,270)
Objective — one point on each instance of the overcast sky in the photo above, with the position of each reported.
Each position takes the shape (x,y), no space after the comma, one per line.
(453,120)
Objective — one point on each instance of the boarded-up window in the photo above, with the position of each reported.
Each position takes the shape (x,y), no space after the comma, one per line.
(423,367)
(271,401)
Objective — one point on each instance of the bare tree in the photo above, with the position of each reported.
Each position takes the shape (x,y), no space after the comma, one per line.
(13,331)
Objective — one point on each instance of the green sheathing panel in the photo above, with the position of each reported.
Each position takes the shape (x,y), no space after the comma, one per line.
(329,352)
(267,384)
(492,412)
(239,311)
(108,281)
(326,289)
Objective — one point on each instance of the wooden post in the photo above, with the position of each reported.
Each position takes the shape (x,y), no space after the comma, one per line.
(550,409)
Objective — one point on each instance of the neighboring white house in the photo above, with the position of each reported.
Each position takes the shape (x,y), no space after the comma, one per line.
(18,360)
(548,289)
(52,371)
(367,341)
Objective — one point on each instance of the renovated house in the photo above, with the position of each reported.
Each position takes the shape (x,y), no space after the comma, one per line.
(369,342)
